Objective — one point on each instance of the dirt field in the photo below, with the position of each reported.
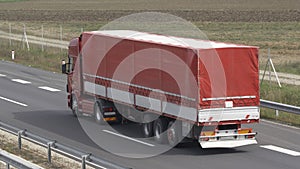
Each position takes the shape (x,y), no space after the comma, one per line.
(153,5)
(192,10)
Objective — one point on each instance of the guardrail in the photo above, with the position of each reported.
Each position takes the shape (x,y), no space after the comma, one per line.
(15,161)
(52,145)
(280,106)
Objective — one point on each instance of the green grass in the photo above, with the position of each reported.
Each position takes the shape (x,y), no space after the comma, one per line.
(283,117)
(288,94)
(49,59)
(289,67)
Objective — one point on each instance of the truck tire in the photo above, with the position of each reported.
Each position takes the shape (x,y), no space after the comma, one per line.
(147,129)
(98,114)
(75,109)
(173,134)
(160,126)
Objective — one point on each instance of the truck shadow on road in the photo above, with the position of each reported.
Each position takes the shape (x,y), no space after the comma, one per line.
(63,123)
(194,149)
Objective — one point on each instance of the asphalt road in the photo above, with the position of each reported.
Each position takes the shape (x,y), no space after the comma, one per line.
(29,99)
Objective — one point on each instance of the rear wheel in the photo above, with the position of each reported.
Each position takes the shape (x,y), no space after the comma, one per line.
(160,126)
(147,129)
(98,114)
(172,134)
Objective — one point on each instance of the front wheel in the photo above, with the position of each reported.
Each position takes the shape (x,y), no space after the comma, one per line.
(75,109)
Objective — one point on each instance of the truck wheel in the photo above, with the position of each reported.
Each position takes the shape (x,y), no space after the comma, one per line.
(160,126)
(147,129)
(75,110)
(172,134)
(98,114)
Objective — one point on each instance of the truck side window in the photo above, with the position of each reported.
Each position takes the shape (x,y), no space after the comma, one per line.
(71,67)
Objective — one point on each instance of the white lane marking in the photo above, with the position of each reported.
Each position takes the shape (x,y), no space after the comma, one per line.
(129,138)
(49,89)
(281,150)
(2,75)
(12,101)
(20,81)
(279,124)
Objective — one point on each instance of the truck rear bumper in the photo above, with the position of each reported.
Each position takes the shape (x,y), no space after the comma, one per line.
(227,140)
(227,143)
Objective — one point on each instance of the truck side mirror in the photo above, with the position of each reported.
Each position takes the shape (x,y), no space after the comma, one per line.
(63,67)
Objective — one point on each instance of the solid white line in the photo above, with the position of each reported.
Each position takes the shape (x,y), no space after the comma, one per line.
(280,124)
(2,75)
(281,150)
(49,89)
(129,138)
(12,101)
(20,81)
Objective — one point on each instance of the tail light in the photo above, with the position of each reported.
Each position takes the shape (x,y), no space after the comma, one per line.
(245,131)
(207,133)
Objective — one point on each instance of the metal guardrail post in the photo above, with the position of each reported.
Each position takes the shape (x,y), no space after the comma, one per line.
(20,133)
(49,148)
(7,166)
(84,159)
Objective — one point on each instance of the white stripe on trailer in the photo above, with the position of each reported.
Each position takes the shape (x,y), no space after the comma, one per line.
(148,102)
(49,89)
(94,88)
(184,112)
(142,87)
(180,111)
(21,81)
(12,101)
(2,75)
(128,138)
(281,150)
(230,98)
(120,95)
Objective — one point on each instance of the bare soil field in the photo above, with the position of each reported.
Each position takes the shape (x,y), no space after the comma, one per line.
(192,10)
(152,5)
(191,15)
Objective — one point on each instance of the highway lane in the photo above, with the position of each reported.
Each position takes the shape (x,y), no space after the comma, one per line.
(48,115)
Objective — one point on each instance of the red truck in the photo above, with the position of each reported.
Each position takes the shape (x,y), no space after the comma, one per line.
(174,87)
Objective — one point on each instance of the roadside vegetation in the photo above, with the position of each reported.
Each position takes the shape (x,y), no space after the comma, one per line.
(288,94)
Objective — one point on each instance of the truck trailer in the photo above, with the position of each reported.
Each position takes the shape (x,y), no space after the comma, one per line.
(176,88)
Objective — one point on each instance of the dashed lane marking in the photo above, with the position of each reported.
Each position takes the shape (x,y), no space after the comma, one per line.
(281,150)
(128,138)
(49,89)
(12,101)
(20,81)
(2,75)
